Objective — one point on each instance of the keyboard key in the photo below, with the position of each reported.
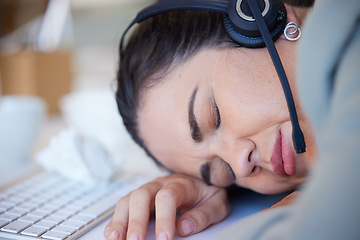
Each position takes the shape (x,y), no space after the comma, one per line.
(9,203)
(73,224)
(14,200)
(2,196)
(15,227)
(44,224)
(53,219)
(26,206)
(64,229)
(30,219)
(8,217)
(101,206)
(5,206)
(34,204)
(3,223)
(23,195)
(36,213)
(81,203)
(57,202)
(38,201)
(46,209)
(45,196)
(17,211)
(55,235)
(62,213)
(74,207)
(49,207)
(33,231)
(70,210)
(81,218)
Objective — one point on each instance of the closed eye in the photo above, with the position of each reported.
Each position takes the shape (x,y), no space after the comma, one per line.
(217,117)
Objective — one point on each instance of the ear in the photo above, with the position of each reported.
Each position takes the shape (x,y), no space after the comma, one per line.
(291,17)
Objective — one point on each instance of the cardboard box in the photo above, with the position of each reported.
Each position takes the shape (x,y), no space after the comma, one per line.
(16,13)
(47,75)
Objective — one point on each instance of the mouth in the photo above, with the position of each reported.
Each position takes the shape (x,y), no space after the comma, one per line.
(282,158)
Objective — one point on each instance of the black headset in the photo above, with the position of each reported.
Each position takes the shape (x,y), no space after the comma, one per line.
(250,23)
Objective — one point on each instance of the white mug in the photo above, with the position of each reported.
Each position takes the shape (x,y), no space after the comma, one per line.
(21,119)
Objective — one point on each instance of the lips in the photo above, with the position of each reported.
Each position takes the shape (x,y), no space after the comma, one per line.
(282,158)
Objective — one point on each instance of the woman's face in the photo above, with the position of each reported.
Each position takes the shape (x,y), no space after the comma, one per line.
(222,116)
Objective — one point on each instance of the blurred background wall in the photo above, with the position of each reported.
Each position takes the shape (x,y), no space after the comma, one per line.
(84,54)
(67,55)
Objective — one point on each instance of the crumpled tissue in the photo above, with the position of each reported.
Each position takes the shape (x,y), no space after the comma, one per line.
(78,158)
(94,114)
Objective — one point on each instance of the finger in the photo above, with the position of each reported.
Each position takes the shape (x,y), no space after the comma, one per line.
(211,211)
(166,203)
(140,205)
(117,227)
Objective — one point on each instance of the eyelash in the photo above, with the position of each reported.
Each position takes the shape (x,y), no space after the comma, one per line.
(218,118)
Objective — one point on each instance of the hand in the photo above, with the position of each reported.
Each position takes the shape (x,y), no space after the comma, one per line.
(198,204)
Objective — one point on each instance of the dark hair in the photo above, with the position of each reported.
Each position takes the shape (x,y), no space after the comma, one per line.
(158,45)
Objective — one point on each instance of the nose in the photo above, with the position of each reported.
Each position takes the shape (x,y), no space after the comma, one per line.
(238,154)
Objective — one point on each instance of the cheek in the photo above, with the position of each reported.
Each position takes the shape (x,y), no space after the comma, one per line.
(254,108)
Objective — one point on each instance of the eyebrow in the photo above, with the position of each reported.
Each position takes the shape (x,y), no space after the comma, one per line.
(194,127)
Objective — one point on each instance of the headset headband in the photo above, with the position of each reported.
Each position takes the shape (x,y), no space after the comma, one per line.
(238,20)
(181,5)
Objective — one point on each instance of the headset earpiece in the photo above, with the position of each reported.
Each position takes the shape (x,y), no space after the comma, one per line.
(242,28)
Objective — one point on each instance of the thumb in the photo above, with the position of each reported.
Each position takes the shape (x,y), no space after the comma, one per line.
(211,211)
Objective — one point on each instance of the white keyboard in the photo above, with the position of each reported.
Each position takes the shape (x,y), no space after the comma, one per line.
(48,206)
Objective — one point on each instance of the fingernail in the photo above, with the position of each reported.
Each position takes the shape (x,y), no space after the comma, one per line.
(114,235)
(162,236)
(133,236)
(187,226)
(107,231)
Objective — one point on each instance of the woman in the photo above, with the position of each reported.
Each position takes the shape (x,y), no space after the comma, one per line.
(208,109)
